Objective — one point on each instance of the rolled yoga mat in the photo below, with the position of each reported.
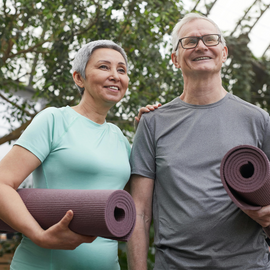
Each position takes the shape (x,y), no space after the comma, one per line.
(245,175)
(105,213)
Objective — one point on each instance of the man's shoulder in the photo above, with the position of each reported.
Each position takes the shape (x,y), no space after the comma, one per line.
(165,108)
(248,107)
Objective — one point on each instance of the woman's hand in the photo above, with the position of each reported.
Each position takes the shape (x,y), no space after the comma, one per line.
(59,236)
(146,109)
(261,216)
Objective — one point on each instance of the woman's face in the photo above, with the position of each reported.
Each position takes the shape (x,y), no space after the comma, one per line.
(106,77)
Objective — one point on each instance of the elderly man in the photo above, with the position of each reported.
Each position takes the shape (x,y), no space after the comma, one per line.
(176,160)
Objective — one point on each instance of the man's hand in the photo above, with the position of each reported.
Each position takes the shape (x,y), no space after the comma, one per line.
(261,216)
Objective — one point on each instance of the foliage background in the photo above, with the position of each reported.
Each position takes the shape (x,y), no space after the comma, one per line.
(38,40)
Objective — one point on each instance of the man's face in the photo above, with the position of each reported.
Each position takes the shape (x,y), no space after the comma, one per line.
(201,59)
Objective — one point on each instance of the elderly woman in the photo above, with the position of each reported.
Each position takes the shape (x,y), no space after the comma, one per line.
(70,148)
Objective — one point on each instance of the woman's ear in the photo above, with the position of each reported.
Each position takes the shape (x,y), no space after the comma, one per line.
(78,79)
(175,60)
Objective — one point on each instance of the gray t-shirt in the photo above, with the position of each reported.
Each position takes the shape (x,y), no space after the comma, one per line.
(180,146)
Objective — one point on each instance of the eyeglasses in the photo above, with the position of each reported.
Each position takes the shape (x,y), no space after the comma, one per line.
(192,42)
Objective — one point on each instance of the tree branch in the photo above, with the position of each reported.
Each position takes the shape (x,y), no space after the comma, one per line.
(15,105)
(30,49)
(91,24)
(130,9)
(194,9)
(15,134)
(262,12)
(266,50)
(239,22)
(210,7)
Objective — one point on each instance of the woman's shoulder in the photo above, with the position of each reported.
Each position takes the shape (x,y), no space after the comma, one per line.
(115,129)
(54,111)
(56,114)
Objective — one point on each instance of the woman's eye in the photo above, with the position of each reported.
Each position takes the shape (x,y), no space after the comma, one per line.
(103,67)
(122,70)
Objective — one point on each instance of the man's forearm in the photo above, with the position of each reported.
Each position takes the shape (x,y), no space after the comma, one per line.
(142,192)
(138,246)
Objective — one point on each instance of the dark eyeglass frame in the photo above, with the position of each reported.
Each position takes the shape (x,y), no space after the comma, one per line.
(198,38)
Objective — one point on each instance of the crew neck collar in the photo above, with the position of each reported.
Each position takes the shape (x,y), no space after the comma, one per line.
(85,118)
(206,106)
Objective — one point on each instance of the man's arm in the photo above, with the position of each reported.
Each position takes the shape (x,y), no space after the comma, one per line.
(141,189)
(261,216)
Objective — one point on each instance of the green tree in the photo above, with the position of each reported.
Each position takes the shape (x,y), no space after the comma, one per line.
(39,39)
(38,42)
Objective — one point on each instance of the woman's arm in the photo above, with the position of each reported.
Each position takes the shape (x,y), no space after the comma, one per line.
(146,109)
(14,168)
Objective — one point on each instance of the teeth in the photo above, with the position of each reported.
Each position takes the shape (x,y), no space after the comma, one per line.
(113,87)
(201,58)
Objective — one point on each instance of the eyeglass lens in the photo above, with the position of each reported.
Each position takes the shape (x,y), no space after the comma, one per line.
(192,42)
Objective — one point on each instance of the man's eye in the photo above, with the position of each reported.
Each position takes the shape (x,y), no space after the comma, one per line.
(191,41)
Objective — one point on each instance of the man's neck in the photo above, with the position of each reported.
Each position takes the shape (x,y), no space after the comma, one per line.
(203,91)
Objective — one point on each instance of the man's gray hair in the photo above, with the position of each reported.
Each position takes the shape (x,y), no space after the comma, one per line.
(188,18)
(83,55)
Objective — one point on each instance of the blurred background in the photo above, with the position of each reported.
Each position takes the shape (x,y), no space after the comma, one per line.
(38,40)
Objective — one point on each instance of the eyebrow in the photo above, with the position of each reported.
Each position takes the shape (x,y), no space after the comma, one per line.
(106,61)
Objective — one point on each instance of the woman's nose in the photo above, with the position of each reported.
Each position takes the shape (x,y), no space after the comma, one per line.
(114,75)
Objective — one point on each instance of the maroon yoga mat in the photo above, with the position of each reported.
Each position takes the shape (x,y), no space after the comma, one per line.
(105,213)
(245,175)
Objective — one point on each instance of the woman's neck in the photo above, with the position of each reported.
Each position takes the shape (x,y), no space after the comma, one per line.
(91,111)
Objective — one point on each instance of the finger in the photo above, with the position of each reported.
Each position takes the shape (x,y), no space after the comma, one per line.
(67,218)
(89,239)
(260,216)
(153,107)
(137,119)
(141,111)
(265,210)
(144,109)
(150,107)
(157,105)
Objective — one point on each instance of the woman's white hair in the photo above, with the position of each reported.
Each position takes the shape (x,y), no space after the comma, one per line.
(188,18)
(83,55)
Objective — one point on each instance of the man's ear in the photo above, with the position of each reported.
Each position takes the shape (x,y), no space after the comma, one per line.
(175,60)
(224,54)
(78,79)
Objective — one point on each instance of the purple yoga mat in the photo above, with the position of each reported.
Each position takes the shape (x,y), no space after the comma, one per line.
(105,213)
(245,175)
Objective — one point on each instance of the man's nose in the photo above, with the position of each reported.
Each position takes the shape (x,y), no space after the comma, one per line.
(201,45)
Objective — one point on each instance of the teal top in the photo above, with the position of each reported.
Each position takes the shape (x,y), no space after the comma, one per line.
(76,153)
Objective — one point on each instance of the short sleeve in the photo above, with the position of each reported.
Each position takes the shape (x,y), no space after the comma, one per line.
(127,146)
(266,139)
(142,158)
(38,136)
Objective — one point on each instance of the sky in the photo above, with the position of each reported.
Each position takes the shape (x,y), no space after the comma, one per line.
(225,13)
